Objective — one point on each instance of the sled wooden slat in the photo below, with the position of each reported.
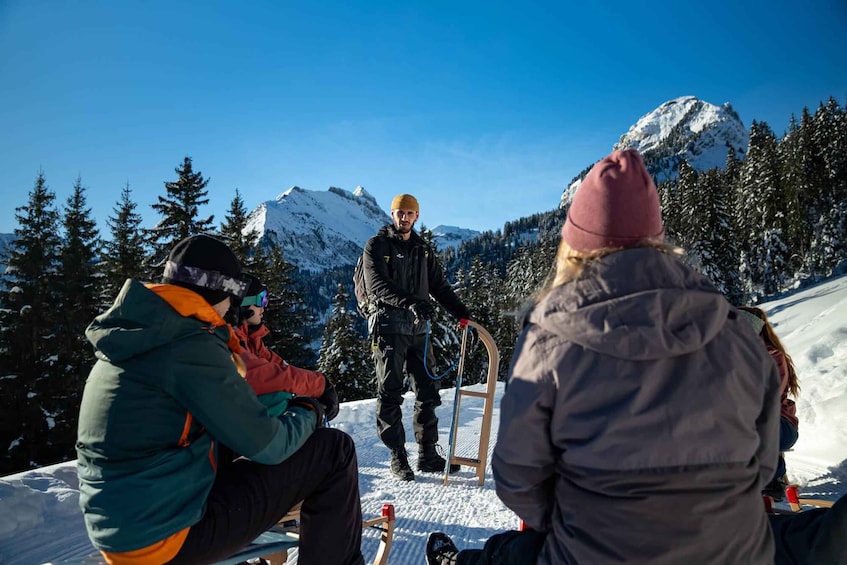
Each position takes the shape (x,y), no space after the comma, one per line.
(475,393)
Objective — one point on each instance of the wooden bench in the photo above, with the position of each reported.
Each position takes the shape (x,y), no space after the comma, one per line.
(273,545)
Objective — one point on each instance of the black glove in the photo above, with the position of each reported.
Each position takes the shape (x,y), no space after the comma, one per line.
(422,310)
(329,399)
(311,404)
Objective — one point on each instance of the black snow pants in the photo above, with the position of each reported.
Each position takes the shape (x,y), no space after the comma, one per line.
(394,356)
(817,536)
(508,548)
(247,498)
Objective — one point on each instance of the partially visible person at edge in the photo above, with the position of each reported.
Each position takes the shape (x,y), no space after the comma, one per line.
(401,272)
(789,386)
(166,411)
(273,379)
(640,419)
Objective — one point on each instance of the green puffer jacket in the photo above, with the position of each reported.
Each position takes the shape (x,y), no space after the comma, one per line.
(163,392)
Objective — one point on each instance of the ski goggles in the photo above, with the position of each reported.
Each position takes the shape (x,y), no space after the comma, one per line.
(213,280)
(260,300)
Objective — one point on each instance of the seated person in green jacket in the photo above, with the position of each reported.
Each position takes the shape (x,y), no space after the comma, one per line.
(166,413)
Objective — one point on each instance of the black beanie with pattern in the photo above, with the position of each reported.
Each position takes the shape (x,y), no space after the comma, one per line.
(206,266)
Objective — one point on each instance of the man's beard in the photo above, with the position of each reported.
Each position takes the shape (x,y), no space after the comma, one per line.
(400,229)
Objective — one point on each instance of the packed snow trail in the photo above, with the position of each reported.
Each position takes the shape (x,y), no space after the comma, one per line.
(39,509)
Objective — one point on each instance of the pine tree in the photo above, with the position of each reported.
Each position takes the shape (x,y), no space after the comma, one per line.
(77,299)
(124,254)
(443,335)
(179,210)
(791,171)
(689,198)
(232,230)
(486,298)
(713,246)
(29,334)
(829,134)
(344,356)
(764,218)
(286,315)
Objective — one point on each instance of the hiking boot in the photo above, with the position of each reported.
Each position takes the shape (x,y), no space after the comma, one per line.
(775,489)
(431,461)
(440,550)
(400,465)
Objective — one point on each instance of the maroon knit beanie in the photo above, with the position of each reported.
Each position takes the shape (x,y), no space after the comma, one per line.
(617,205)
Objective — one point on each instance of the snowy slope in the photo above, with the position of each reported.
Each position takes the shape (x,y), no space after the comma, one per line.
(40,519)
(451,236)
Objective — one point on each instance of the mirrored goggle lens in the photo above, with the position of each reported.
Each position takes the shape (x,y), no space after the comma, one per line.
(262,299)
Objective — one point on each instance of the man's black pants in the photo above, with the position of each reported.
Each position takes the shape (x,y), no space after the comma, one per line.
(247,498)
(395,356)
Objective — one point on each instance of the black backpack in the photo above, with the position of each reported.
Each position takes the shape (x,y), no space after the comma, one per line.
(363,304)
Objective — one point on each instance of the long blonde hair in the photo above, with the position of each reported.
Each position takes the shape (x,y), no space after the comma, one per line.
(769,336)
(570,263)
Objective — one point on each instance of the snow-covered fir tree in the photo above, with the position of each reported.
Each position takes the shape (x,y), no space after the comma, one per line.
(234,230)
(345,356)
(286,314)
(78,300)
(180,210)
(29,342)
(124,253)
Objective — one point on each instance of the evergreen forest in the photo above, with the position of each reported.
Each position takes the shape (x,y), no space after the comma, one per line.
(759,227)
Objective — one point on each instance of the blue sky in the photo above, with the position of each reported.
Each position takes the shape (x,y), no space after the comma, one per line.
(484,110)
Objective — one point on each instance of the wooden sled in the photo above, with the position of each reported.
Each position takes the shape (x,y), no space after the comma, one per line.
(795,502)
(479,462)
(273,545)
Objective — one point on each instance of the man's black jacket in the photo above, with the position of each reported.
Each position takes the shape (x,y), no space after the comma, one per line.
(399,273)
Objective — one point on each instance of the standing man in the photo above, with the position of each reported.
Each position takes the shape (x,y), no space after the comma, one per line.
(401,272)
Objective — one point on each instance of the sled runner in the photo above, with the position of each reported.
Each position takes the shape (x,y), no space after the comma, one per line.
(273,545)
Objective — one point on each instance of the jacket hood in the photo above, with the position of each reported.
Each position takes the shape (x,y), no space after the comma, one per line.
(140,321)
(636,304)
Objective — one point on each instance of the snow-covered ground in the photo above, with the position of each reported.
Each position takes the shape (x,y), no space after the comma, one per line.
(40,520)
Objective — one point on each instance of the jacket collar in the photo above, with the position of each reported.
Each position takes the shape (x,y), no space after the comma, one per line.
(191,304)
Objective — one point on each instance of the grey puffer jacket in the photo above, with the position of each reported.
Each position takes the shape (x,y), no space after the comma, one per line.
(640,420)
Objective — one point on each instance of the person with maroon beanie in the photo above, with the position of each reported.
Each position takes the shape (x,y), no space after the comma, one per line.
(640,418)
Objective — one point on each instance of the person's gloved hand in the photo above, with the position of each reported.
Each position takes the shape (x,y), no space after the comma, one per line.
(329,399)
(311,404)
(422,310)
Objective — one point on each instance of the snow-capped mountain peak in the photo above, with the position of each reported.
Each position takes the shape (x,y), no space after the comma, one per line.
(318,230)
(685,128)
